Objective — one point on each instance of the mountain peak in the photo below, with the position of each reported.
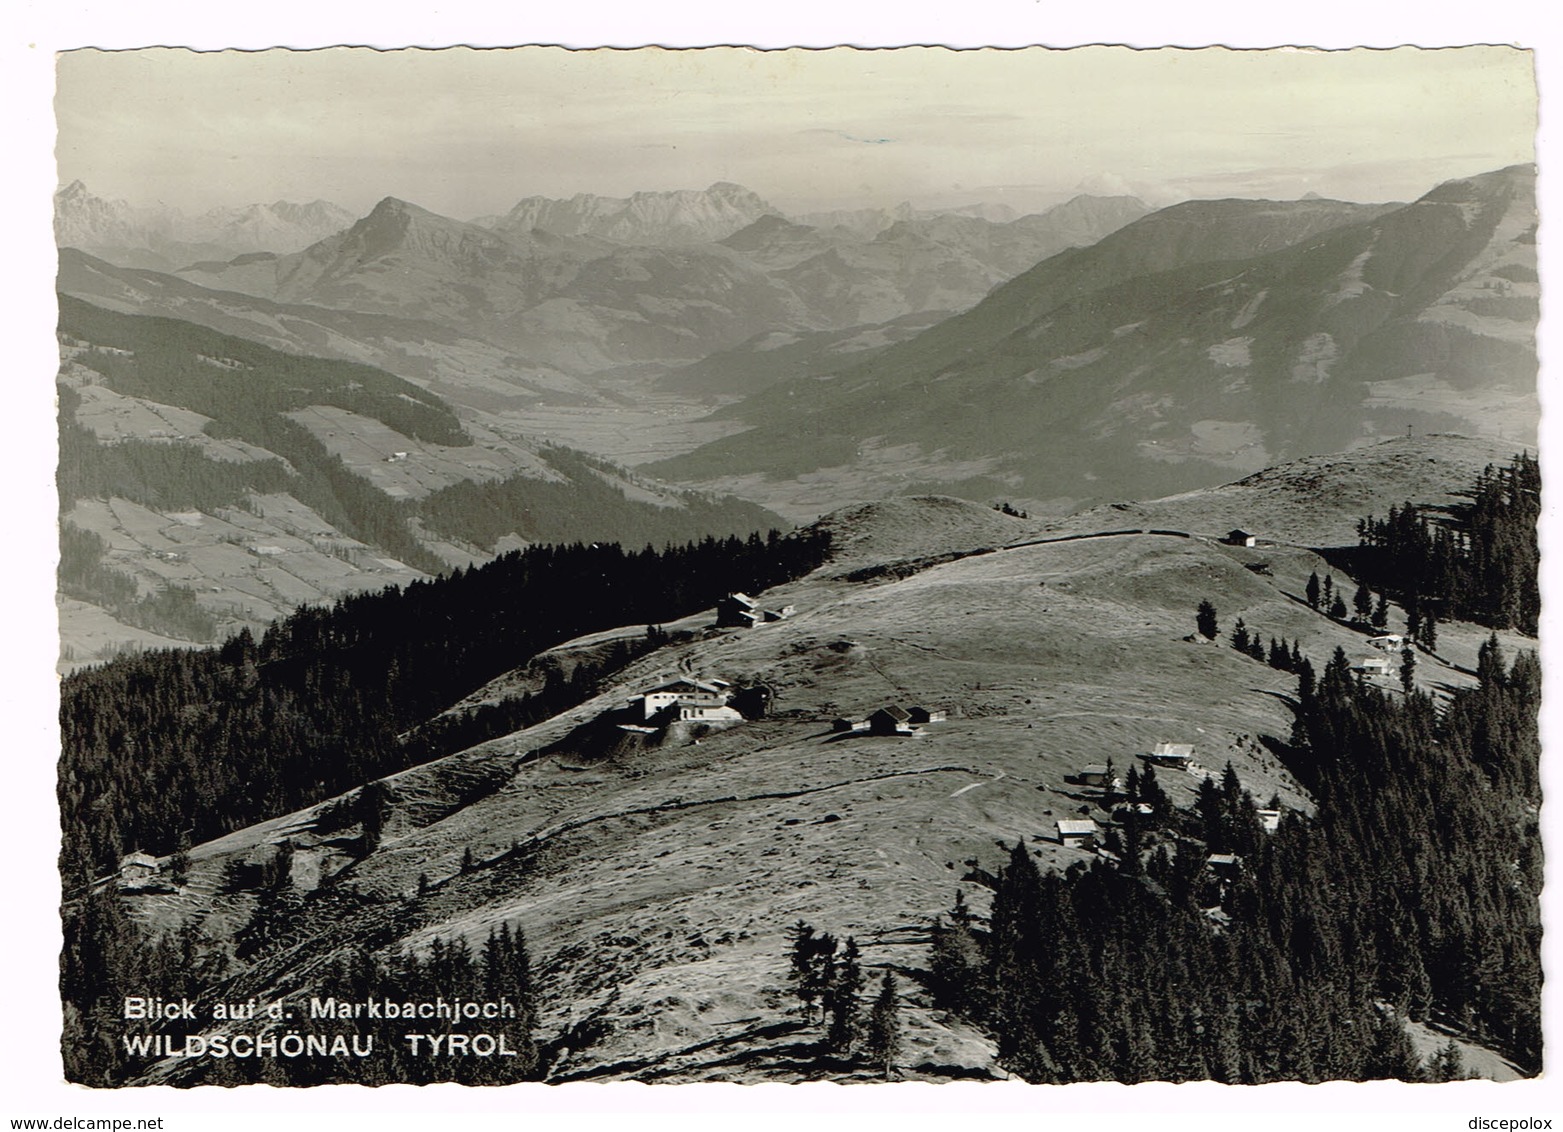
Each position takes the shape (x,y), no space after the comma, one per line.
(1483,186)
(391,206)
(682,216)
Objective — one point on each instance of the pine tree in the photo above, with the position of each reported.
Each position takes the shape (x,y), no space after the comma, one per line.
(1211,808)
(800,957)
(882,1036)
(822,970)
(373,806)
(961,915)
(1154,796)
(1338,608)
(1133,844)
(1381,613)
(845,1020)
(1447,1064)
(1407,670)
(1313,590)
(1362,602)
(1240,636)
(1205,620)
(956,963)
(811,966)
(179,863)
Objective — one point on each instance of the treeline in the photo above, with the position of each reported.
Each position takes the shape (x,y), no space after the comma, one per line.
(585,506)
(169,475)
(236,381)
(108,957)
(247,390)
(1413,894)
(1479,561)
(460,729)
(84,575)
(206,741)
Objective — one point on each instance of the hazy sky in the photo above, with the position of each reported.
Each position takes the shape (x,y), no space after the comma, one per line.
(467,132)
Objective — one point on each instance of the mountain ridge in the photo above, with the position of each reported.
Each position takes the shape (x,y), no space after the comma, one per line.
(565,287)
(1421,314)
(165,238)
(252,481)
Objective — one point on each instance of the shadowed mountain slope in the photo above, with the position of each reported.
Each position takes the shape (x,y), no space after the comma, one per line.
(1206,338)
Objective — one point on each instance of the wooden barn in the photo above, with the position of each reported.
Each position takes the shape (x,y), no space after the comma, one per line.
(1077,833)
(1095,774)
(737,611)
(138,869)
(891,720)
(1170,754)
(740,611)
(1226,866)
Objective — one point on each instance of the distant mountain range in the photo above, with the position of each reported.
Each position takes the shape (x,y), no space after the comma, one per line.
(468,370)
(166,238)
(689,216)
(1207,338)
(1093,352)
(595,284)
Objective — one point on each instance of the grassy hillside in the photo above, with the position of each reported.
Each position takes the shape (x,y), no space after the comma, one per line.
(225,483)
(657,878)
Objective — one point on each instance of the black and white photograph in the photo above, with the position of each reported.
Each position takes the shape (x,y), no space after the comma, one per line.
(989,568)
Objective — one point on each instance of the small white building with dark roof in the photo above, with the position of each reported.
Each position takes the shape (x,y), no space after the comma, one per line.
(684,690)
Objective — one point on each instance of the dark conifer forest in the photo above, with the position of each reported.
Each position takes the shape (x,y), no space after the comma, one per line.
(1473,561)
(207,741)
(106,957)
(248,390)
(1412,893)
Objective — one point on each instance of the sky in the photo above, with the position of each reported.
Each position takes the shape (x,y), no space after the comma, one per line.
(469,132)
